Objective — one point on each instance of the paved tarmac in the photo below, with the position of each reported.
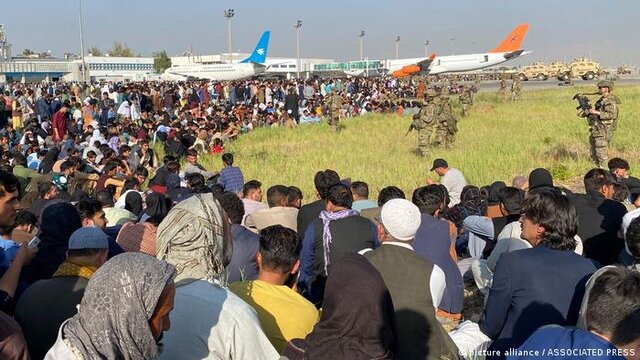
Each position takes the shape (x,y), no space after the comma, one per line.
(492,86)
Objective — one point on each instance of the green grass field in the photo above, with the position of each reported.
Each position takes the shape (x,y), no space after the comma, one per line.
(497,142)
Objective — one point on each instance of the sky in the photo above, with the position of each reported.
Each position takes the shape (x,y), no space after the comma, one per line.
(606,30)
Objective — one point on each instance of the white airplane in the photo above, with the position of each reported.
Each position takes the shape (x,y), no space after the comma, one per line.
(251,66)
(508,49)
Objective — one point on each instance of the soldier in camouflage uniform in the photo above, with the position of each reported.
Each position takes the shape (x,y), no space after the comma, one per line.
(393,99)
(442,118)
(502,91)
(334,104)
(603,121)
(466,100)
(450,125)
(516,89)
(476,82)
(426,121)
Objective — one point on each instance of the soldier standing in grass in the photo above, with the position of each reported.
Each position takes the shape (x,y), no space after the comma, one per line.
(442,118)
(451,126)
(516,89)
(334,104)
(502,91)
(466,100)
(603,121)
(426,121)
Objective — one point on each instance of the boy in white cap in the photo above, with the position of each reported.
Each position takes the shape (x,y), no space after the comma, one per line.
(416,285)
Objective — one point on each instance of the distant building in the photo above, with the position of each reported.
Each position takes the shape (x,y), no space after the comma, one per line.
(110,68)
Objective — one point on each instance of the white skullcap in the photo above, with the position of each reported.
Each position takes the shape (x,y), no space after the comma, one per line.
(401,218)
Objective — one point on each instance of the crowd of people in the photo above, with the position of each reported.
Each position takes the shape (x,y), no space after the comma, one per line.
(110,252)
(230,107)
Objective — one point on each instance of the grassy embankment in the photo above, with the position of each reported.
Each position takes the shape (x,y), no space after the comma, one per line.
(498,141)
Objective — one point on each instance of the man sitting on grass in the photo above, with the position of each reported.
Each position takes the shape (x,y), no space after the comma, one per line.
(284,314)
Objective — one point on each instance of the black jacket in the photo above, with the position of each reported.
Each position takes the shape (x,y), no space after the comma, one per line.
(599,220)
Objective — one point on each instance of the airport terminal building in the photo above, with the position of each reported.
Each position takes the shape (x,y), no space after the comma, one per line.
(107,68)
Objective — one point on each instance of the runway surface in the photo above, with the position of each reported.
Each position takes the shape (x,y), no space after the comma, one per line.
(492,86)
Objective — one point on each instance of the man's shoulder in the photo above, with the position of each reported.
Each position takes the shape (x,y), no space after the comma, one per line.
(455,173)
(241,288)
(542,254)
(280,211)
(311,207)
(43,289)
(609,100)
(406,253)
(614,205)
(241,233)
(558,337)
(632,214)
(355,220)
(433,222)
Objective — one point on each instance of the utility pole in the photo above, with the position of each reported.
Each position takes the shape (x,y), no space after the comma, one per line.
(426,45)
(361,37)
(84,65)
(229,14)
(297,26)
(452,42)
(397,47)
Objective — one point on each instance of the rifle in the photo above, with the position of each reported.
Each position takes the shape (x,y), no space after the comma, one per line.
(583,102)
(412,127)
(585,106)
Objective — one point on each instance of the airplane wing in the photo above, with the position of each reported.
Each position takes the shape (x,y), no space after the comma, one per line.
(420,67)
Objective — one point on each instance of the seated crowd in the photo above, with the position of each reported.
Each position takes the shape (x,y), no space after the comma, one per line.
(108,252)
(148,268)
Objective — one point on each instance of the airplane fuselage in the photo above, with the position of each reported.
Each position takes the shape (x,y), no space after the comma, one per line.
(236,71)
(457,63)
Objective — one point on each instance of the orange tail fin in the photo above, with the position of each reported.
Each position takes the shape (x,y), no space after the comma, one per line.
(513,41)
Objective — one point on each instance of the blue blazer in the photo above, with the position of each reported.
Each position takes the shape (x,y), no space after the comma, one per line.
(531,288)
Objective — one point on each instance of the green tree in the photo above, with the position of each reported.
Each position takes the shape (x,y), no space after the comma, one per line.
(27,52)
(94,51)
(121,50)
(161,61)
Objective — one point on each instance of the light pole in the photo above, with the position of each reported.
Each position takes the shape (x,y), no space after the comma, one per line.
(452,42)
(229,14)
(297,26)
(361,37)
(84,65)
(397,46)
(426,45)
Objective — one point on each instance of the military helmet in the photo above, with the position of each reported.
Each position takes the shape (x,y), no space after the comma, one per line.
(605,83)
(431,93)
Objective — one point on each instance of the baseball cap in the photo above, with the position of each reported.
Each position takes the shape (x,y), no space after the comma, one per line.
(401,218)
(88,238)
(439,163)
(540,177)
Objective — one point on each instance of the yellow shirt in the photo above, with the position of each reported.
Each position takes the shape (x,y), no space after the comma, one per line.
(284,314)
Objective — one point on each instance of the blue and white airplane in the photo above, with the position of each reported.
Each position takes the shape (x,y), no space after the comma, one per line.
(251,66)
